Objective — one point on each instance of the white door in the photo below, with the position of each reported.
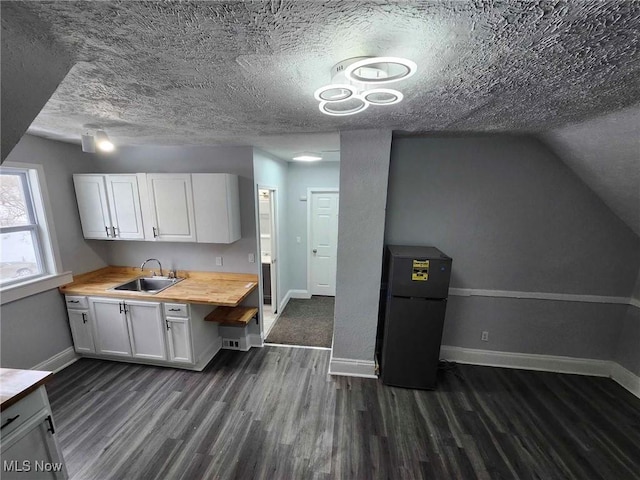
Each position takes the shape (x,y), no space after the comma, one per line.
(93,206)
(81,331)
(171,202)
(179,339)
(146,330)
(110,324)
(323,242)
(124,203)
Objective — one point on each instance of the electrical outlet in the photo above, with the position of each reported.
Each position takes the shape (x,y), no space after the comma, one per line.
(219,261)
(485,336)
(252,258)
(298,239)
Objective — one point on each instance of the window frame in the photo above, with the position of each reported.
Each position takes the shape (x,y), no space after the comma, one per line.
(47,253)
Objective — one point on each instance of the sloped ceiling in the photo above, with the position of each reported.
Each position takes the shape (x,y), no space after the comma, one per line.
(208,72)
(605,153)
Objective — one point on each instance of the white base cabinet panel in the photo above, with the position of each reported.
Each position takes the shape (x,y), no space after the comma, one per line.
(81,331)
(146,329)
(111,334)
(179,339)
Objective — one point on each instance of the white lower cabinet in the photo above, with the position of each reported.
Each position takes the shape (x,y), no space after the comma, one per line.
(29,448)
(81,331)
(179,340)
(146,330)
(110,327)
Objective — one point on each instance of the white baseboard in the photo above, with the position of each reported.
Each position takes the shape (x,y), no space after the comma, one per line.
(349,367)
(544,363)
(627,379)
(59,361)
(299,293)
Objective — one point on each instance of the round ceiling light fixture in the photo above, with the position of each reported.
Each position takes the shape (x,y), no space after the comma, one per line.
(335,92)
(350,106)
(378,70)
(382,96)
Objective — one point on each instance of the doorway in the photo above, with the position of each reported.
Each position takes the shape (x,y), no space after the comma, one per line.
(268,231)
(322,214)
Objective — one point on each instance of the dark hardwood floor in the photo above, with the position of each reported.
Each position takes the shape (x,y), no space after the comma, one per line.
(274,413)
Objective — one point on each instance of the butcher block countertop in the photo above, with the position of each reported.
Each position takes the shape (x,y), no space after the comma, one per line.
(208,288)
(17,384)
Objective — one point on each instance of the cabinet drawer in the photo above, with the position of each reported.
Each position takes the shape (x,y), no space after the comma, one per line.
(21,411)
(76,302)
(176,309)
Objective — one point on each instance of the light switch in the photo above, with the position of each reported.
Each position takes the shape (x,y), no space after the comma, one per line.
(219,261)
(252,258)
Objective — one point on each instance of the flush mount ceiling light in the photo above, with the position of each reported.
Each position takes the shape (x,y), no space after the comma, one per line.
(99,139)
(355,84)
(308,157)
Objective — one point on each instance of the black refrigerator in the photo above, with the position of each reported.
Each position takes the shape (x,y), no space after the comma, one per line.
(415,287)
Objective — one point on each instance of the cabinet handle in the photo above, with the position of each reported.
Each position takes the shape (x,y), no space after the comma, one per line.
(174,309)
(124,306)
(120,305)
(9,421)
(84,317)
(73,301)
(167,322)
(113,229)
(107,230)
(155,232)
(50,429)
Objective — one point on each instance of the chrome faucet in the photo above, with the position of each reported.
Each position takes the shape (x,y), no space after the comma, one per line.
(148,260)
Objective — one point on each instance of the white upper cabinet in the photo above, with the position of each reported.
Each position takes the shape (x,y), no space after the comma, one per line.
(93,206)
(109,206)
(124,205)
(217,207)
(167,207)
(171,207)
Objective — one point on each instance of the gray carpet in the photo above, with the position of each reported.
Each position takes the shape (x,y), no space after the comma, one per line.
(305,322)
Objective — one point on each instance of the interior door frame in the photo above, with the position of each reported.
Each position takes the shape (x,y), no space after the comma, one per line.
(310,192)
(276,222)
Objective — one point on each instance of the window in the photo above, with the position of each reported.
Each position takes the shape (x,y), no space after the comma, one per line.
(29,260)
(20,252)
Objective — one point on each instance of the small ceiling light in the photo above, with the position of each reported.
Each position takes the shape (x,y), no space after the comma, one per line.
(308,157)
(103,142)
(382,96)
(377,70)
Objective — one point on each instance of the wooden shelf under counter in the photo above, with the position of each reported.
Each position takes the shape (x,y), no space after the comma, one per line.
(233,316)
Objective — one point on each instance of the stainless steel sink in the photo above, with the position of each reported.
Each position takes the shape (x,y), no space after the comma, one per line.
(148,284)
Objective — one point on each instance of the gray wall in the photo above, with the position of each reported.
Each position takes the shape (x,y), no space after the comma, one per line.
(188,256)
(303,176)
(270,171)
(628,347)
(511,214)
(514,217)
(35,328)
(364,169)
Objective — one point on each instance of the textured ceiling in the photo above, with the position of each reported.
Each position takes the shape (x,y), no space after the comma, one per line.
(605,153)
(233,72)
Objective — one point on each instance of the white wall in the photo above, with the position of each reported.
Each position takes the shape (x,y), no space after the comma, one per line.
(514,217)
(302,176)
(364,168)
(271,172)
(35,328)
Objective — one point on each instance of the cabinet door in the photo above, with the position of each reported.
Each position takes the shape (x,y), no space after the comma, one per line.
(124,205)
(179,339)
(93,206)
(146,330)
(79,321)
(171,203)
(32,442)
(216,201)
(110,327)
